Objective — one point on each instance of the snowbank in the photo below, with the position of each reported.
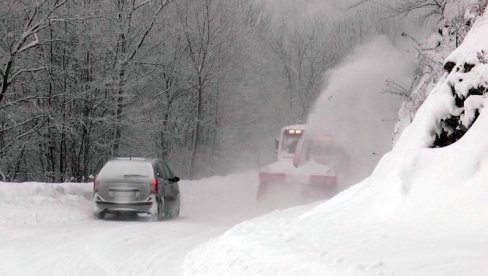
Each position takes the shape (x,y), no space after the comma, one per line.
(41,203)
(423,211)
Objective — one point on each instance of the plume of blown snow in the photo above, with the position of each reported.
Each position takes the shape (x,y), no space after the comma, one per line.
(354,107)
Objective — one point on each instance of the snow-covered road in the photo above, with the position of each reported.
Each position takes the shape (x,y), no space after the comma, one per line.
(47,229)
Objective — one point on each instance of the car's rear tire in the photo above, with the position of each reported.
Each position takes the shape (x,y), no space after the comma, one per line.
(175,213)
(161,214)
(100,215)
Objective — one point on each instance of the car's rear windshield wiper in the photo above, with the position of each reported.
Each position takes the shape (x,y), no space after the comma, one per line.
(134,175)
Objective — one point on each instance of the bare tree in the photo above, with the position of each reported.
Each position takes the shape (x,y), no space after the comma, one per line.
(305,54)
(39,17)
(431,8)
(403,8)
(209,32)
(131,37)
(27,27)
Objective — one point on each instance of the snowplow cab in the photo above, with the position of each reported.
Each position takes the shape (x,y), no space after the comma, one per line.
(288,140)
(305,169)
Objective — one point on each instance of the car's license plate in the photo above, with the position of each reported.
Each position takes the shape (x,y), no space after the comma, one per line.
(124,194)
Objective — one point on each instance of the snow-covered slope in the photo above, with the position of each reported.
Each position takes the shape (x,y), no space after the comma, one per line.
(457,19)
(423,211)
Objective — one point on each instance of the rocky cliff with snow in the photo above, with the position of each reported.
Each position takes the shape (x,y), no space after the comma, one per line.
(457,19)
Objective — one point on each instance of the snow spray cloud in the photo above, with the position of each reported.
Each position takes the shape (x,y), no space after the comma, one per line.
(355,110)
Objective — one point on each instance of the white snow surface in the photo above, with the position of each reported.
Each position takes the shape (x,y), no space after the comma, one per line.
(423,211)
(48,229)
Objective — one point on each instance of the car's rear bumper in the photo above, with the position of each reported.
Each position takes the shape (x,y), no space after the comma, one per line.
(146,206)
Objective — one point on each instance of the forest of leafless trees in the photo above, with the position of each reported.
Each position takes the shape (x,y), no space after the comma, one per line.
(205,84)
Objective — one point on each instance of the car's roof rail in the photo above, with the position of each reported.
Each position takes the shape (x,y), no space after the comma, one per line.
(133,158)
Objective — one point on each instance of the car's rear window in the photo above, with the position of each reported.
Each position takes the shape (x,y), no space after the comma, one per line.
(126,169)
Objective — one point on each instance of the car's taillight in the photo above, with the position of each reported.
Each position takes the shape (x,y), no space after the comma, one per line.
(154,186)
(96,183)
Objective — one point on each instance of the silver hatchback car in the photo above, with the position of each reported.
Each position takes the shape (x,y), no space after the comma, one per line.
(136,185)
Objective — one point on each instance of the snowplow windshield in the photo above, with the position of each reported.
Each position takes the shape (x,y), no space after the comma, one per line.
(290,141)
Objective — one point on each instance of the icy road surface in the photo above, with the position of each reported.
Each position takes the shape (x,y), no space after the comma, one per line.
(48,229)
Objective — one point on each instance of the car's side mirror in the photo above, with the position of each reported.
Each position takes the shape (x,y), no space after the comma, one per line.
(175,179)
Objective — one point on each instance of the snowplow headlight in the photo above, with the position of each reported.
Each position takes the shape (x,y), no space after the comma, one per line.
(295,131)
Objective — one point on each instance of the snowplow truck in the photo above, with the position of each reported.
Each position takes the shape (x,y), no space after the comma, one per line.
(306,169)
